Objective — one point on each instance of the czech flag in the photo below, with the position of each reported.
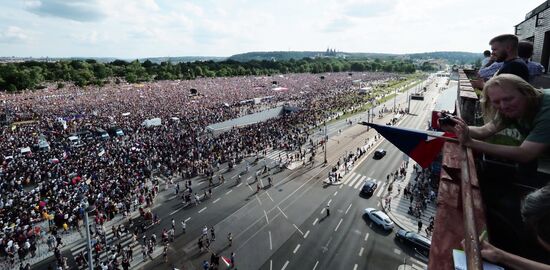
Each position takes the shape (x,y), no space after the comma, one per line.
(422,146)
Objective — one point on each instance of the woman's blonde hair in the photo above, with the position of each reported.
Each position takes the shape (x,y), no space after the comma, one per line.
(510,81)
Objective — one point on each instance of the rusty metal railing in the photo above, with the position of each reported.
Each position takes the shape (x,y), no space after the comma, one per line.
(468,175)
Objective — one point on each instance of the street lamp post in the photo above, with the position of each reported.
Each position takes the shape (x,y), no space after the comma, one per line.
(87,209)
(88,241)
(326,142)
(394,99)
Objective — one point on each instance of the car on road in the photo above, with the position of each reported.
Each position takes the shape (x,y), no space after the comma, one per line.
(415,240)
(379,154)
(379,218)
(369,186)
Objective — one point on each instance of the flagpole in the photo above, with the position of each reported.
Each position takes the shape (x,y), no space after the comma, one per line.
(428,133)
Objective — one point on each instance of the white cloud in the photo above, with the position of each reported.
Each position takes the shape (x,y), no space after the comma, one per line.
(13,34)
(141,28)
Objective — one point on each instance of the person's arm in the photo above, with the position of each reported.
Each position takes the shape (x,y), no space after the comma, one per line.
(496,255)
(479,133)
(484,131)
(526,152)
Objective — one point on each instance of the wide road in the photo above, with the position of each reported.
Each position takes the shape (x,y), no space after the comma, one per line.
(284,226)
(347,239)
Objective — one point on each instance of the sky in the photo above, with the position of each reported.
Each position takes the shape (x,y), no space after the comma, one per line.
(130,29)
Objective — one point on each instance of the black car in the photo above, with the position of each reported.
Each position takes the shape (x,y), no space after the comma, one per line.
(369,186)
(378,154)
(417,241)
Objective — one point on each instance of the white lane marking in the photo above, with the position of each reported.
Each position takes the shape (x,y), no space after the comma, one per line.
(348,178)
(200,183)
(234,176)
(397,251)
(298,229)
(248,178)
(378,204)
(339,222)
(361,251)
(266,219)
(315,266)
(355,267)
(269,196)
(366,236)
(200,211)
(258,198)
(239,184)
(329,201)
(341,186)
(360,182)
(296,249)
(285,265)
(282,212)
(216,200)
(228,192)
(348,208)
(270,242)
(380,189)
(307,233)
(422,264)
(335,192)
(353,181)
(315,221)
(250,187)
(175,211)
(270,264)
(187,219)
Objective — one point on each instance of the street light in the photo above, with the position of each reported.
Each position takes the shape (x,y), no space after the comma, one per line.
(394,98)
(88,208)
(326,142)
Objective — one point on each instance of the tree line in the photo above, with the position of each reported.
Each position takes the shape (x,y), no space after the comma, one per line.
(34,74)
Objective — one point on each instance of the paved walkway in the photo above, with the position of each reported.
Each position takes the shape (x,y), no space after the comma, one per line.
(399,204)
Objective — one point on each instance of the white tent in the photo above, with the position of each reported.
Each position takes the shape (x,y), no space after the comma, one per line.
(152,122)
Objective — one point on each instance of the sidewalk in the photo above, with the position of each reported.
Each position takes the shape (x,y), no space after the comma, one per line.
(399,204)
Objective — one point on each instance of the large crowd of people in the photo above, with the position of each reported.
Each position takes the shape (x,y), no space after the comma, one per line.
(44,175)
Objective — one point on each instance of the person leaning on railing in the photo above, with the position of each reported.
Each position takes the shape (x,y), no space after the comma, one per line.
(536,214)
(510,102)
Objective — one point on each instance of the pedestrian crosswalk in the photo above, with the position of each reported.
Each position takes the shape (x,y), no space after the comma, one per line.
(398,204)
(277,154)
(125,240)
(356,180)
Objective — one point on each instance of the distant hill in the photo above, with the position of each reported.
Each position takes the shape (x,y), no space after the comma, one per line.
(157,60)
(180,59)
(451,57)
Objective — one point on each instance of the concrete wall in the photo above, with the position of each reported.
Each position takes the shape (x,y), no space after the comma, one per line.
(246,120)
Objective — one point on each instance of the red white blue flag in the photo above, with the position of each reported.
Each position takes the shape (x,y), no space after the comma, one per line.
(422,146)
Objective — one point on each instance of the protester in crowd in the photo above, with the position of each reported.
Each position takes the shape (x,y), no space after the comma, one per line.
(45,186)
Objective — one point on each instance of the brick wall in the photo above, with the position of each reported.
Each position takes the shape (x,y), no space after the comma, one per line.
(527,30)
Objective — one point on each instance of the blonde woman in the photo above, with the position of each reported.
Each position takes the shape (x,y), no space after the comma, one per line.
(510,102)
